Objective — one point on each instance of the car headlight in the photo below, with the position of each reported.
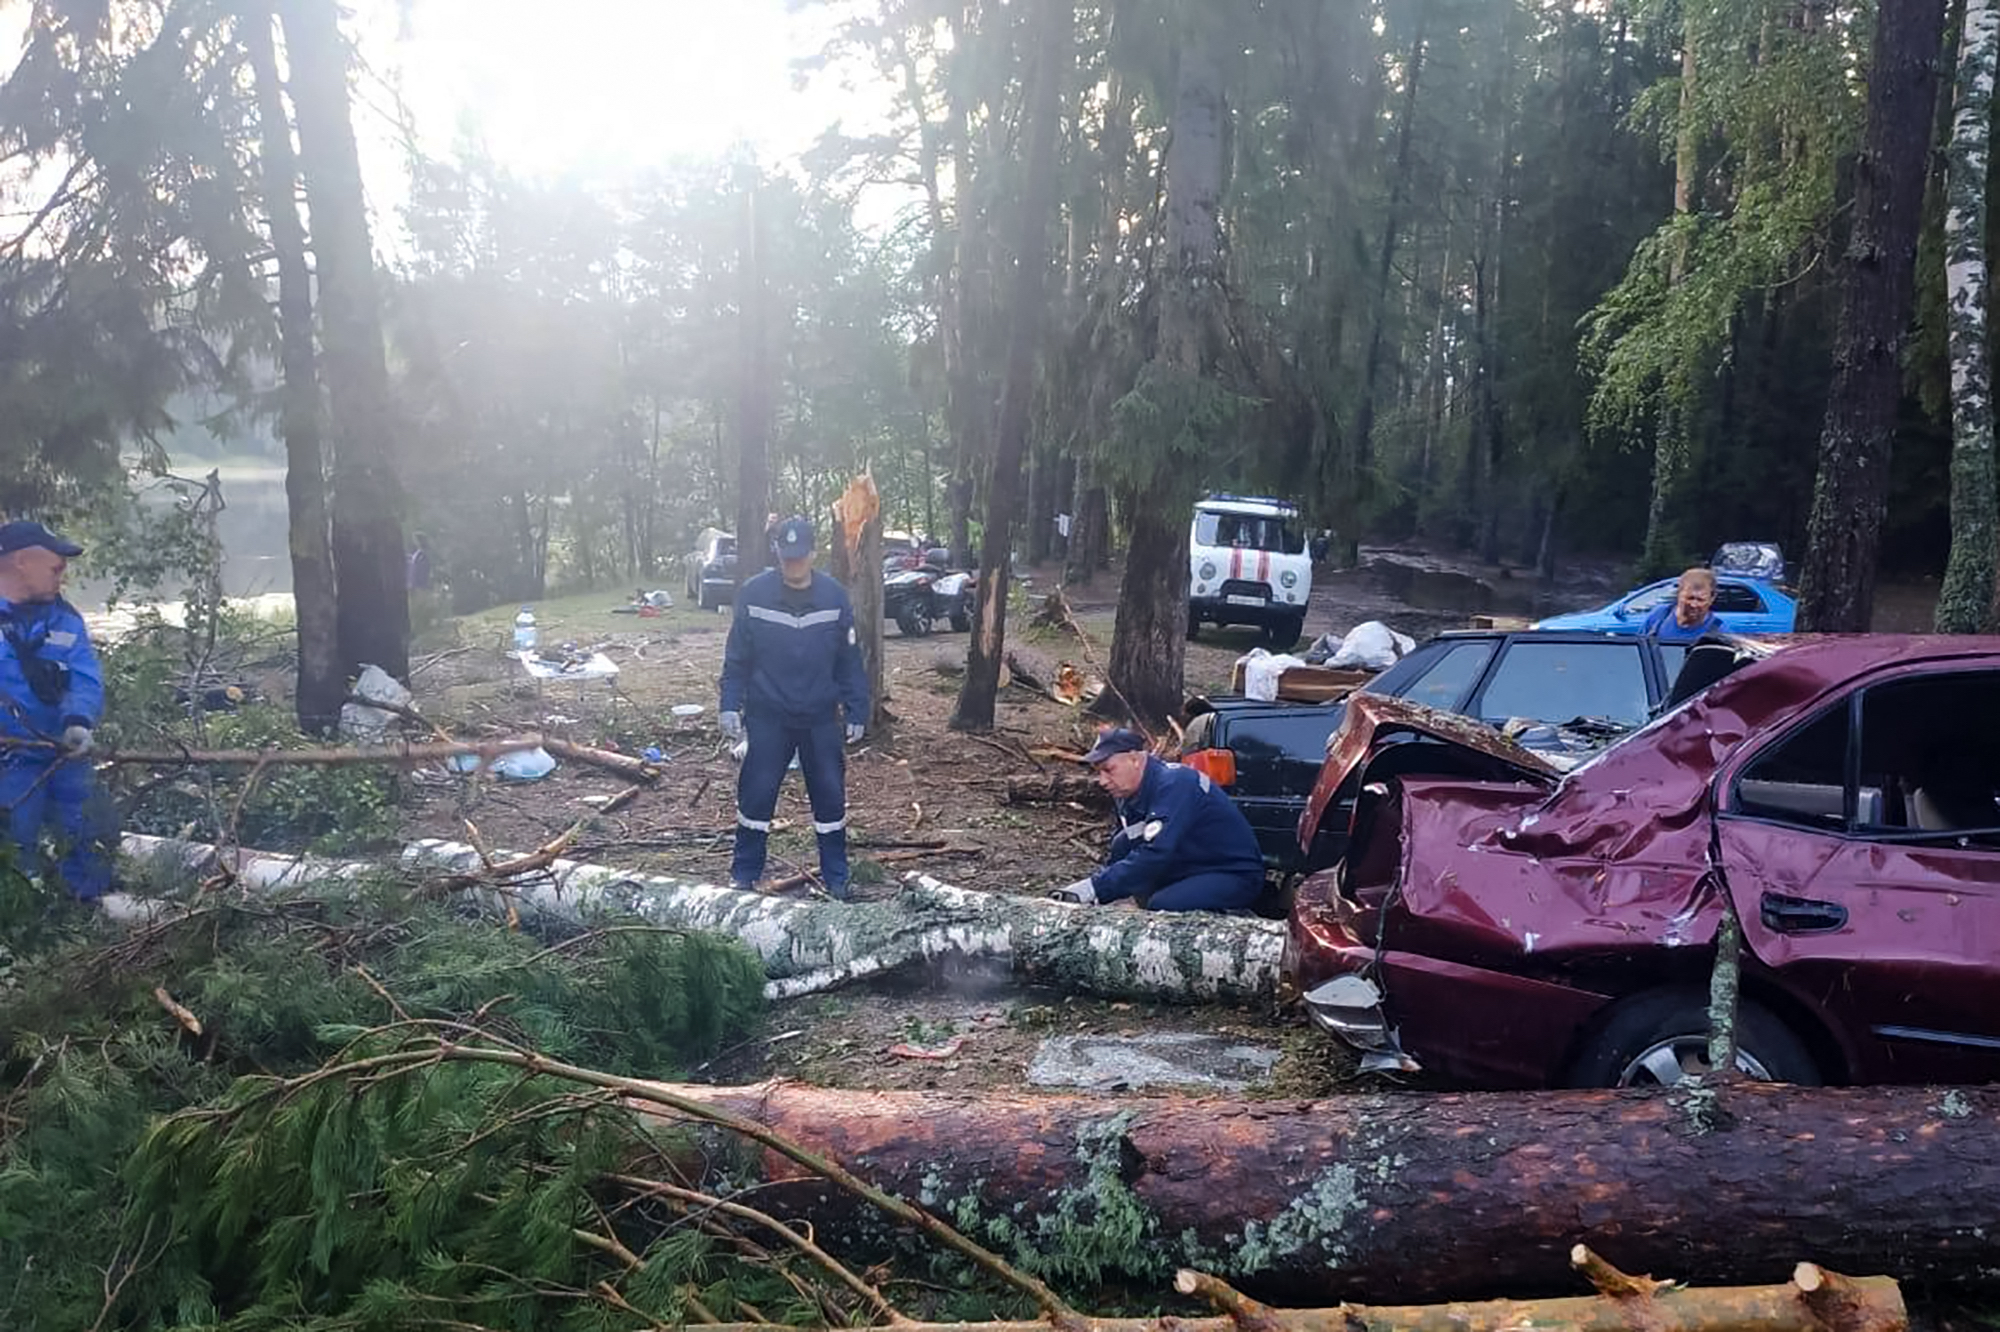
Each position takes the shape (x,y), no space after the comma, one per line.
(1207,570)
(1288,578)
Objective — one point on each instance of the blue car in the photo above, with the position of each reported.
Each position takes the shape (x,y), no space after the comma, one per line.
(1744,605)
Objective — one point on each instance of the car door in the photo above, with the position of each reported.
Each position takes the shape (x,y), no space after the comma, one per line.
(1862,849)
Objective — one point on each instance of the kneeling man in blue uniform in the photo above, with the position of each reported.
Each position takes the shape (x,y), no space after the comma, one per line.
(791,667)
(51,694)
(1180,843)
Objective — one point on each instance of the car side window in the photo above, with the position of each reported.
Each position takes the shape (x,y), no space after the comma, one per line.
(1737,599)
(1931,745)
(1560,682)
(1803,778)
(1650,599)
(1451,678)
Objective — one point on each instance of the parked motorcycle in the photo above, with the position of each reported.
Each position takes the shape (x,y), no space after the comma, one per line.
(921,598)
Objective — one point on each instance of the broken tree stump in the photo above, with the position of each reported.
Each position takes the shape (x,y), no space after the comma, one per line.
(1423,1196)
(808,946)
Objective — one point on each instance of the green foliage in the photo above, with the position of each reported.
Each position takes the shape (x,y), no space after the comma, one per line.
(1172,432)
(455,1191)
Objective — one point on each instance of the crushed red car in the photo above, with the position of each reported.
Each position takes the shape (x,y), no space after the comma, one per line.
(1510,925)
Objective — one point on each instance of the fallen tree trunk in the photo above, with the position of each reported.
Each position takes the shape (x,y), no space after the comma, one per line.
(1415,1196)
(810,945)
(404,752)
(1814,1300)
(1061,789)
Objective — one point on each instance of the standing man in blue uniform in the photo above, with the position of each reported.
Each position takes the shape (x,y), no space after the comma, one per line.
(1181,844)
(791,667)
(51,695)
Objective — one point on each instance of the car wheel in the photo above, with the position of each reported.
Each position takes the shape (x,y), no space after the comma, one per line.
(703,599)
(961,619)
(910,623)
(1657,1039)
(1194,628)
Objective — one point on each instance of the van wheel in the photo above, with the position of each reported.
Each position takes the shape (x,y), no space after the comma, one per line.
(1658,1038)
(1283,635)
(1194,629)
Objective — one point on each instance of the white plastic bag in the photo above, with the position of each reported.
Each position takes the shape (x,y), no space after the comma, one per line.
(370,726)
(1373,646)
(1261,671)
(516,765)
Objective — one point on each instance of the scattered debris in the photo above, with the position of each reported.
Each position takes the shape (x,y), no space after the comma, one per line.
(946,1050)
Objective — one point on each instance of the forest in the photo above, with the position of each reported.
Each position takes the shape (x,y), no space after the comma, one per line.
(1565,293)
(1527,280)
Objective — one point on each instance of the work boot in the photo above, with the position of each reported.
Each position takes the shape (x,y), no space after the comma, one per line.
(839,891)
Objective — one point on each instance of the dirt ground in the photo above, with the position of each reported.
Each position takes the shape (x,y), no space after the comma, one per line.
(920,797)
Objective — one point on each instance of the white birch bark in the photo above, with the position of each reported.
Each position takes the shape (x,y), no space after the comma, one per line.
(1966,598)
(810,945)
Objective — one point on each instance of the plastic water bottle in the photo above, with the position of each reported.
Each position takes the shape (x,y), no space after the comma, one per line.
(524,630)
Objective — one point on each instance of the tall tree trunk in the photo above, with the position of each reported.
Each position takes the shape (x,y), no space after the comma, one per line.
(1149,645)
(1049,28)
(322,681)
(1966,599)
(1090,506)
(373,618)
(753,400)
(1670,430)
(1850,493)
(1361,482)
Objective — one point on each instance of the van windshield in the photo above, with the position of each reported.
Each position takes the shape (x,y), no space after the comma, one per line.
(1246,531)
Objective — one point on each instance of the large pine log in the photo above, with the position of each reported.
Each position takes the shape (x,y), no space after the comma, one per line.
(1419,1196)
(812,945)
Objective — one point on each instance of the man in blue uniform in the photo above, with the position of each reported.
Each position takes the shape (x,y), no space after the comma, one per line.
(792,665)
(1180,844)
(51,694)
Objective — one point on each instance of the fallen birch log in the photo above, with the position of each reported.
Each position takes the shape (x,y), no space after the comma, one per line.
(1415,1196)
(402,752)
(811,945)
(1814,1300)
(622,765)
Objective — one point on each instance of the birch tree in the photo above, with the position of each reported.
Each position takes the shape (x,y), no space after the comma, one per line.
(1966,599)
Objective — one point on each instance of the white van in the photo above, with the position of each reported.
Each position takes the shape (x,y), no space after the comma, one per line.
(1247,564)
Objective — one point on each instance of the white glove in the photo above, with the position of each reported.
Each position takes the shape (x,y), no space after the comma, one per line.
(1083,890)
(76,740)
(855,731)
(732,725)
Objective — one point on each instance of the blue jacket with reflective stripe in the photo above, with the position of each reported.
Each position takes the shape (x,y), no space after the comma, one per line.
(792,652)
(53,632)
(1176,825)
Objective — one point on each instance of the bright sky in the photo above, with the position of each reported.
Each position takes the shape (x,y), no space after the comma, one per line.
(598,89)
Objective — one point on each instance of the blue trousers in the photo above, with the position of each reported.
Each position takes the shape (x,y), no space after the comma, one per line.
(1207,892)
(62,798)
(823,762)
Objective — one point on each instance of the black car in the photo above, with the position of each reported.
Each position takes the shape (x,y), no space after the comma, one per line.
(711,570)
(1578,690)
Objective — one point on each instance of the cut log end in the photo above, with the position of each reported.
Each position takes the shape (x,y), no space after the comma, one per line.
(1848,1304)
(1608,1280)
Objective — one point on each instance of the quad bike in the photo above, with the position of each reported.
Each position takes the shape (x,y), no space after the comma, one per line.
(919,599)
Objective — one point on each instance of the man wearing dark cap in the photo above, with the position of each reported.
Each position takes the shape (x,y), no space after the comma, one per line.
(791,667)
(51,694)
(1180,843)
